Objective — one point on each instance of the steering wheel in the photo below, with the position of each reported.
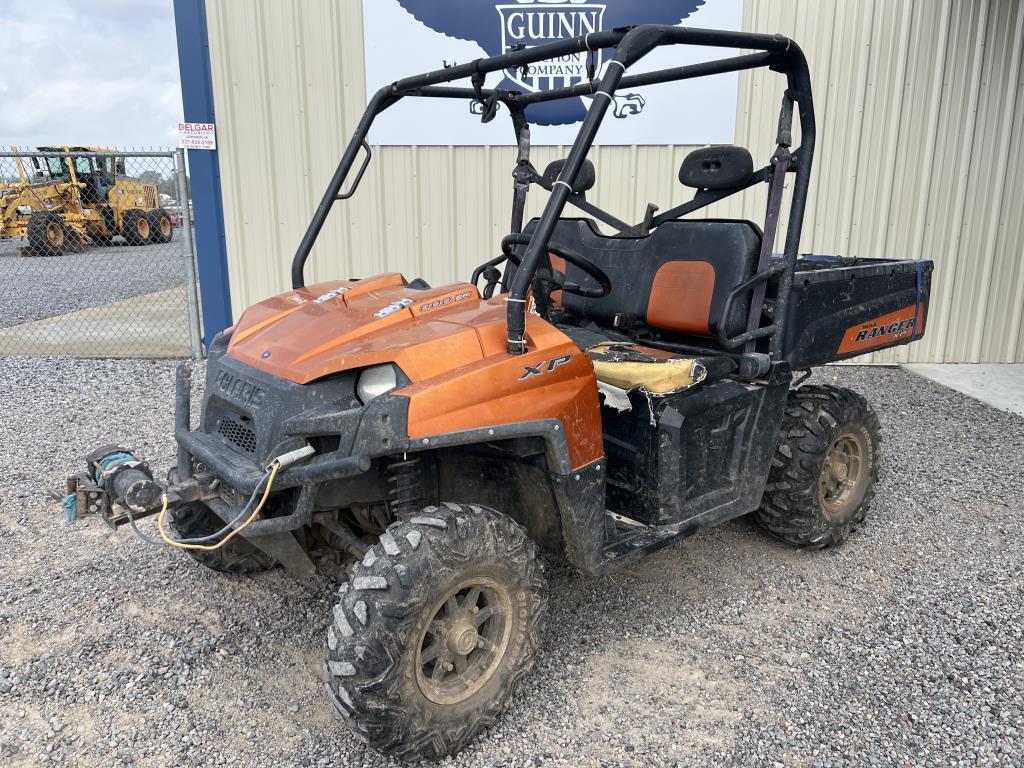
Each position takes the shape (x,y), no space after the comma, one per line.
(557,279)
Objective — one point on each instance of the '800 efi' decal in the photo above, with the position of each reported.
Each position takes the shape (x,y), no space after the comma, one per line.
(444,301)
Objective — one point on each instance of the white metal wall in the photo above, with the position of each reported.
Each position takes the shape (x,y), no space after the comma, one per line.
(920,113)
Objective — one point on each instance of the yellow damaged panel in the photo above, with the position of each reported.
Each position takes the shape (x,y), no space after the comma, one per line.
(625,369)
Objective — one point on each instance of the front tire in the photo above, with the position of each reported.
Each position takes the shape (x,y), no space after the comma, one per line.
(192,521)
(824,471)
(48,235)
(136,228)
(434,630)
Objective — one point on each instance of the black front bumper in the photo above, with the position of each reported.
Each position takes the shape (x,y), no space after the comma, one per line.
(278,416)
(244,475)
(235,393)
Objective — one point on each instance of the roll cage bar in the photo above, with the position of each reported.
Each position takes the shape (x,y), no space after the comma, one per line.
(776,52)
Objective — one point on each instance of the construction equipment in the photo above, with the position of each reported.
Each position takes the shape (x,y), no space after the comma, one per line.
(602,396)
(71,197)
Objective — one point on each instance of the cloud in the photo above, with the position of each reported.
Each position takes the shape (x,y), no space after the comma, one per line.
(101,73)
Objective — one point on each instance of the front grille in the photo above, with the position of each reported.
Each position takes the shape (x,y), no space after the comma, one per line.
(236,432)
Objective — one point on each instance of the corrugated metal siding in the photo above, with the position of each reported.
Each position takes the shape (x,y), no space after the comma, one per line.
(921,125)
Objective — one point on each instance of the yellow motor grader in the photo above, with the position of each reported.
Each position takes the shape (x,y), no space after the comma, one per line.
(64,201)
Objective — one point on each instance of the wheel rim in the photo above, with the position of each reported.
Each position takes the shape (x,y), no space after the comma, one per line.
(844,475)
(54,235)
(464,641)
(142,228)
(165,226)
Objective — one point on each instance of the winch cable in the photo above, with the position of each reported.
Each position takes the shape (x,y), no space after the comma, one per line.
(229,529)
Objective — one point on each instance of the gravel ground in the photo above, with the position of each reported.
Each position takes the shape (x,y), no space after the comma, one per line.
(32,288)
(903,647)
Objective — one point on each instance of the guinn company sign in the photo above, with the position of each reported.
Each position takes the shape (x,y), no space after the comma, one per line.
(403,37)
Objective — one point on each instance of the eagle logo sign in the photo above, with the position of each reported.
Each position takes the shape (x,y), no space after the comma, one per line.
(498,27)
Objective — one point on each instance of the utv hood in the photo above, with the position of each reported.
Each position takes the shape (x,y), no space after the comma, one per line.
(312,332)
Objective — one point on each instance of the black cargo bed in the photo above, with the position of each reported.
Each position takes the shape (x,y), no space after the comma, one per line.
(843,307)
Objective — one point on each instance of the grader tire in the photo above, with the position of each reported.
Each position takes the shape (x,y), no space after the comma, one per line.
(434,630)
(824,471)
(48,235)
(191,521)
(136,227)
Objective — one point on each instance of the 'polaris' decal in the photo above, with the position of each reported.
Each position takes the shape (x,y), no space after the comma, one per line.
(393,307)
(887,329)
(544,366)
(239,389)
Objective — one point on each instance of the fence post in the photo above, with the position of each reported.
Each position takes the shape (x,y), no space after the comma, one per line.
(194,332)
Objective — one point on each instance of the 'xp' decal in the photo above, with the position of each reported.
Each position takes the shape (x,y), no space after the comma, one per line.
(544,366)
(498,27)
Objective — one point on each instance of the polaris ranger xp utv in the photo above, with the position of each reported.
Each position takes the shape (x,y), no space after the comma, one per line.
(590,394)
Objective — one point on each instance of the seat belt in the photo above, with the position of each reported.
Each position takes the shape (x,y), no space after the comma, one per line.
(780,165)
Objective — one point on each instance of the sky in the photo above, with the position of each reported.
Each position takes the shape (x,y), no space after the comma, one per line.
(93,72)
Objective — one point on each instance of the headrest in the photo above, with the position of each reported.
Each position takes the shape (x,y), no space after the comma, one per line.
(722,167)
(585,178)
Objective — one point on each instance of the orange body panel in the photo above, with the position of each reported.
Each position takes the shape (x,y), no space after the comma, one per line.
(449,342)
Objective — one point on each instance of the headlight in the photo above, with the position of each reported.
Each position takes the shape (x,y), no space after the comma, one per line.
(376,381)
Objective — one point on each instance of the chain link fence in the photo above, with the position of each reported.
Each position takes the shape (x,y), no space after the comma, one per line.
(96,256)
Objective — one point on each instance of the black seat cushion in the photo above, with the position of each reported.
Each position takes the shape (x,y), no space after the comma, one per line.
(675,279)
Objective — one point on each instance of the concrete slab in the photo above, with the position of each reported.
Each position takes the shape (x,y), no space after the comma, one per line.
(998,385)
(153,325)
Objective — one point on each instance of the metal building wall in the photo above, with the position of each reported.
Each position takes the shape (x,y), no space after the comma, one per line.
(920,110)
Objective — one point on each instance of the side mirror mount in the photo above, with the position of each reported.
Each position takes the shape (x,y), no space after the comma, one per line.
(721,167)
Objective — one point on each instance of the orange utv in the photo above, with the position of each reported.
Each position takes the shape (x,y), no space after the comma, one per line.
(592,393)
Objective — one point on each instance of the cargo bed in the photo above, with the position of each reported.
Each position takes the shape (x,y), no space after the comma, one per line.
(843,307)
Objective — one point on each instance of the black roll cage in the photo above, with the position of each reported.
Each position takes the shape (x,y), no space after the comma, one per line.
(776,52)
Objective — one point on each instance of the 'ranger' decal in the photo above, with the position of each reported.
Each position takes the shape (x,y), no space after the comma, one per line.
(882,331)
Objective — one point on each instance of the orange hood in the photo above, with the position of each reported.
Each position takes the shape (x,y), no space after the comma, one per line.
(315,331)
(447,340)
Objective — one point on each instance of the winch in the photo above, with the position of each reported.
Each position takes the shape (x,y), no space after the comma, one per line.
(114,475)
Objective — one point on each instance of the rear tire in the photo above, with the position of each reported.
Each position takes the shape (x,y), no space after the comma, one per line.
(48,235)
(136,228)
(434,630)
(191,521)
(824,471)
(161,226)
